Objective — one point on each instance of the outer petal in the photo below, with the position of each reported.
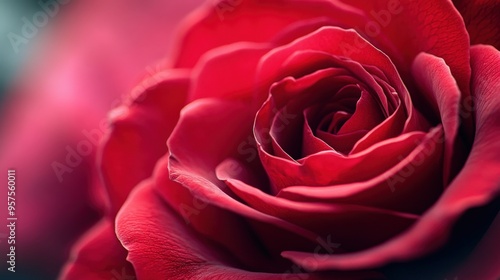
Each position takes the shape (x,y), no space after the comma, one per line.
(99,256)
(408,27)
(139,133)
(392,25)
(482,18)
(162,246)
(477,184)
(227,22)
(227,72)
(412,27)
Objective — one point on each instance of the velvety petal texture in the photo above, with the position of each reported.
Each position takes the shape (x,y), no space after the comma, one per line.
(482,18)
(306,140)
(162,246)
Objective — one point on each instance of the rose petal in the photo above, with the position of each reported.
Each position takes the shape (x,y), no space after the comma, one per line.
(312,144)
(410,184)
(411,27)
(194,156)
(225,23)
(99,255)
(330,168)
(334,41)
(289,98)
(407,25)
(440,87)
(342,143)
(482,168)
(227,72)
(139,132)
(325,219)
(366,116)
(162,246)
(482,18)
(484,263)
(389,128)
(208,219)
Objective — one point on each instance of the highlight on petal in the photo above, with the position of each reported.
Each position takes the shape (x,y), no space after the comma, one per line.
(441,89)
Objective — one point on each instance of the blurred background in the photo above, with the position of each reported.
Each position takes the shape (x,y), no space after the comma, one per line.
(63,66)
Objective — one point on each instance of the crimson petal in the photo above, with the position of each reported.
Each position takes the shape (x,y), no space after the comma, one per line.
(482,168)
(99,255)
(139,132)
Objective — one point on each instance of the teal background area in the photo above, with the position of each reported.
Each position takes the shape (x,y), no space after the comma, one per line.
(11,12)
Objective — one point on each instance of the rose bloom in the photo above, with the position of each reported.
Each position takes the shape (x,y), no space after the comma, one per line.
(308,140)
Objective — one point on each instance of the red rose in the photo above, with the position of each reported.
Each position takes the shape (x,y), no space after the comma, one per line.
(315,140)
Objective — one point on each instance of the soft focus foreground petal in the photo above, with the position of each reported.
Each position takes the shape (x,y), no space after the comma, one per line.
(162,246)
(139,132)
(334,41)
(99,255)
